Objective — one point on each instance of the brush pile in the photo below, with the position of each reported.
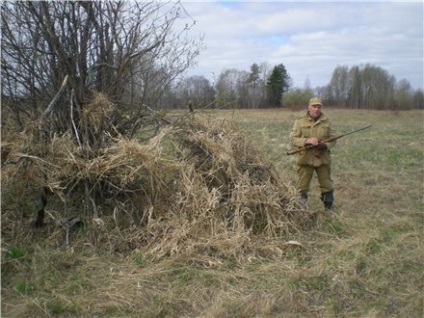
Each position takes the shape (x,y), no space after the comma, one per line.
(196,187)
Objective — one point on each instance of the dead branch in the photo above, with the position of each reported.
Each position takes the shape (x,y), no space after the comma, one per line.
(54,101)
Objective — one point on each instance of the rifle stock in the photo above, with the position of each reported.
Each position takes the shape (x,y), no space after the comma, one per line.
(292,152)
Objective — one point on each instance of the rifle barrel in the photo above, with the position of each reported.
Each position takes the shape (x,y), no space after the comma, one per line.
(354,131)
(328,140)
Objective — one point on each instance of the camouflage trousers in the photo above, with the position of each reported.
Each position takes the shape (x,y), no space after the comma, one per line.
(306,173)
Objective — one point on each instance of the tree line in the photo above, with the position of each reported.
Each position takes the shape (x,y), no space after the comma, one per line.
(358,87)
(370,86)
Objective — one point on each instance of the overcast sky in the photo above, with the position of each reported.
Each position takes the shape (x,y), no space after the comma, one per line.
(310,38)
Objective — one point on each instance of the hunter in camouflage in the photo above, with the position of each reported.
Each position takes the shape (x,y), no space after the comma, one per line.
(312,129)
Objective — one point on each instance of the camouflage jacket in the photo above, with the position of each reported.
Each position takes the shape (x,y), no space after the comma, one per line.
(304,128)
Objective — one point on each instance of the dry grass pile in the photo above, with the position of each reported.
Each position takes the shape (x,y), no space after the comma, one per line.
(197,187)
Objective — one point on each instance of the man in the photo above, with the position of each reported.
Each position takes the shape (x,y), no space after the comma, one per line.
(311,130)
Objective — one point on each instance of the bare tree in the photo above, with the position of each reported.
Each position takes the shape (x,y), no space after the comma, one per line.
(126,50)
(418,100)
(196,91)
(57,55)
(338,87)
(404,95)
(355,96)
(377,87)
(228,88)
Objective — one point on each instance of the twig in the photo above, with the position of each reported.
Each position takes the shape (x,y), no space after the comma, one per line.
(72,118)
(53,103)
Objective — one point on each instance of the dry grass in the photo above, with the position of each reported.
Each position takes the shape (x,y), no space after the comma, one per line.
(209,257)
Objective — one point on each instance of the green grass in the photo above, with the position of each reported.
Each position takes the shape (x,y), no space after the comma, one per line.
(15,252)
(367,261)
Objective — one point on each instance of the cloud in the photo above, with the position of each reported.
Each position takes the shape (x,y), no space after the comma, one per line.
(310,38)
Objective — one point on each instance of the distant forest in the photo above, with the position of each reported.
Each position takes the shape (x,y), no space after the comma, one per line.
(358,87)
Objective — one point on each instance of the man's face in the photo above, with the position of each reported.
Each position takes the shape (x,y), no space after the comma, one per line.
(315,110)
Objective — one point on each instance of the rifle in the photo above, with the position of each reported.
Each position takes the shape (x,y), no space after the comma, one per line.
(292,152)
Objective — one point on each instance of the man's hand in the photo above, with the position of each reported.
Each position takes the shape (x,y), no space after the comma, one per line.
(311,141)
(322,146)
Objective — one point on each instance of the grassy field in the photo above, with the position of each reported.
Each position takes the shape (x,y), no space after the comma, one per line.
(366,261)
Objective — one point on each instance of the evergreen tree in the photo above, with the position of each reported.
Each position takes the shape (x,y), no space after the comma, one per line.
(254,74)
(278,83)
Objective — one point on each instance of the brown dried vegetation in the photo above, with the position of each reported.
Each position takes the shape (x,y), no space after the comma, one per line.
(196,187)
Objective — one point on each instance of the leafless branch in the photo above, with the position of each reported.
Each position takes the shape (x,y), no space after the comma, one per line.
(54,101)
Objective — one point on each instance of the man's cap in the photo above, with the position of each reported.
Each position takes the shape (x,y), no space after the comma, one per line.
(315,101)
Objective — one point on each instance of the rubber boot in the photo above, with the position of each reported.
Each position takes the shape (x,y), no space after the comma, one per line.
(327,198)
(304,197)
